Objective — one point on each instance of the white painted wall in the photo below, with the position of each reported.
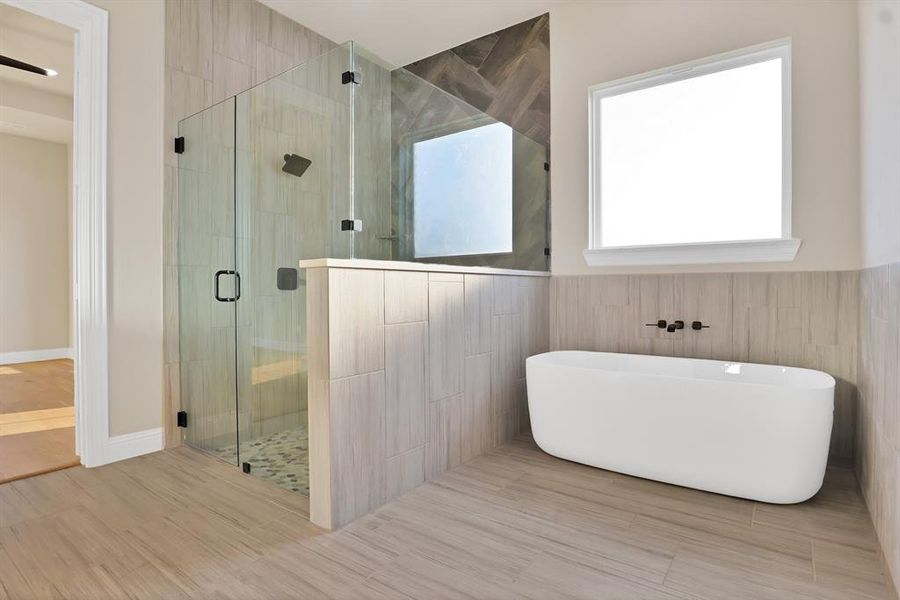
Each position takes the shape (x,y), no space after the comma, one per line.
(594,42)
(135,198)
(34,245)
(879,79)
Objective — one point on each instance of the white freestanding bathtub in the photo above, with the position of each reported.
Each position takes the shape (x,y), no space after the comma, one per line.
(753,431)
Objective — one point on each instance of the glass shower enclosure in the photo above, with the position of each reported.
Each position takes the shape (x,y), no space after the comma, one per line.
(289,170)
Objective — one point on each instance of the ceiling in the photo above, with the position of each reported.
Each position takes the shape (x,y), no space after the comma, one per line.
(403,31)
(41,42)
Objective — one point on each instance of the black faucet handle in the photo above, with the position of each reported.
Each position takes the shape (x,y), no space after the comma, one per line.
(698,325)
(661,324)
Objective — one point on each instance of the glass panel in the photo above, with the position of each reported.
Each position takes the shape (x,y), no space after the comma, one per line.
(294,188)
(205,247)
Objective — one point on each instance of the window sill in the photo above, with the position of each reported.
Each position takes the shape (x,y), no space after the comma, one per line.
(780,250)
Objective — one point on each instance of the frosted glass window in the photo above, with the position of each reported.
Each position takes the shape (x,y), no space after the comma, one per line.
(694,155)
(463,189)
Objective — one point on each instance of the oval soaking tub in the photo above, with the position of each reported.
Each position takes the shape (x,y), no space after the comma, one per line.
(754,431)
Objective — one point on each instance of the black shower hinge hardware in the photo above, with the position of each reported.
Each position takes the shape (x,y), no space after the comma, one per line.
(546,166)
(246,468)
(546,251)
(181,419)
(351,77)
(698,325)
(351,225)
(179,145)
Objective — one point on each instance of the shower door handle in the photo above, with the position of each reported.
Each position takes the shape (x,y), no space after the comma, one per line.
(237,283)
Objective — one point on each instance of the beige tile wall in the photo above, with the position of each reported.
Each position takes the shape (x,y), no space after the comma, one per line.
(214,49)
(411,374)
(795,319)
(878,431)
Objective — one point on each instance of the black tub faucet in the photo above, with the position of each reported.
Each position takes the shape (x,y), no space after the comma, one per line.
(674,326)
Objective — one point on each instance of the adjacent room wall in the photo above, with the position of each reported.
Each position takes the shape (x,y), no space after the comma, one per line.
(878,464)
(595,42)
(34,245)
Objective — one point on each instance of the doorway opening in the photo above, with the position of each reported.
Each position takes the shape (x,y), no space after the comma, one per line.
(37,308)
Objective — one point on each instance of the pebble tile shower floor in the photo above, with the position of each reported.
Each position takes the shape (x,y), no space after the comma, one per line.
(282,458)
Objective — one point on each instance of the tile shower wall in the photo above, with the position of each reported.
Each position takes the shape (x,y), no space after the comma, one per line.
(795,319)
(505,74)
(878,431)
(412,374)
(214,49)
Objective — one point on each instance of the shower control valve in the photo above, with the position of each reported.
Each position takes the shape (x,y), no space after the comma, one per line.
(351,225)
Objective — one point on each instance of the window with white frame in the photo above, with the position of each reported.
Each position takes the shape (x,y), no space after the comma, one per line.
(691,163)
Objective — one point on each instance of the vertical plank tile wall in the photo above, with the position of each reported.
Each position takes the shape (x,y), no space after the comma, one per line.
(412,374)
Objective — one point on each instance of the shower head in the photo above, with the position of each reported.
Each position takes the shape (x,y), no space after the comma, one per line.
(295,164)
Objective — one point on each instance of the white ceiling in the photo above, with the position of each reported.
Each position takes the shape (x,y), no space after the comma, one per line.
(40,42)
(403,31)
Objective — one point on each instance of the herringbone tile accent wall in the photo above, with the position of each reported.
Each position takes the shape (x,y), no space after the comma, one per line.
(505,74)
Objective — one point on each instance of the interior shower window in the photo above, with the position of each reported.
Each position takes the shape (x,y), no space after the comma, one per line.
(463,192)
(694,154)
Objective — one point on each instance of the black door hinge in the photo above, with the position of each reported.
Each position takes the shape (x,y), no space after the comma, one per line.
(181,419)
(351,225)
(546,251)
(546,166)
(179,145)
(350,77)
(246,468)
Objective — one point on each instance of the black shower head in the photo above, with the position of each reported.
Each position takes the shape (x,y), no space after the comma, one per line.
(295,164)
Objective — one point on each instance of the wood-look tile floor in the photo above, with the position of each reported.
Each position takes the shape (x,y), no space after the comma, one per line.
(37,419)
(515,523)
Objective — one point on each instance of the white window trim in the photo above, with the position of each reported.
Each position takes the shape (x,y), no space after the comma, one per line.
(780,249)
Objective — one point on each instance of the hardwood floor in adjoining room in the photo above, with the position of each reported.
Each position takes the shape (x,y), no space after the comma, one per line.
(515,523)
(37,418)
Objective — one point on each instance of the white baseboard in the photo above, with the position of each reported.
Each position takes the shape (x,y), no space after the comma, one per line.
(134,444)
(14,358)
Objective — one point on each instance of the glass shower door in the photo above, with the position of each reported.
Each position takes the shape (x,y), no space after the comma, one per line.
(207,280)
(294,137)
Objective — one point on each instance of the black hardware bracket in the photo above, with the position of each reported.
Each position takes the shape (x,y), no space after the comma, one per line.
(179,145)
(660,324)
(246,468)
(351,77)
(698,325)
(181,418)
